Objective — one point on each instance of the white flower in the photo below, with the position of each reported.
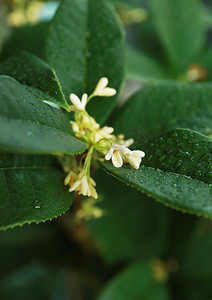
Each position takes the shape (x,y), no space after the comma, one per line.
(71,178)
(102,89)
(121,154)
(134,158)
(104,132)
(84,185)
(77,104)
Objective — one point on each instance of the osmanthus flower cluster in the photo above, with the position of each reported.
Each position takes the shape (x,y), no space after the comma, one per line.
(102,143)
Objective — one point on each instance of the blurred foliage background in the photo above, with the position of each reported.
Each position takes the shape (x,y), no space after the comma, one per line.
(126,245)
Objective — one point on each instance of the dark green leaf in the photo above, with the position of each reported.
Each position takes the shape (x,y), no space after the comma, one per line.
(28,38)
(177,191)
(85,43)
(27,125)
(157,108)
(37,75)
(132,226)
(32,190)
(195,255)
(135,283)
(180,26)
(180,151)
(177,171)
(34,281)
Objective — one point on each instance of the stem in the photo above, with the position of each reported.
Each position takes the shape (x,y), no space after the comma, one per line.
(89,98)
(93,129)
(87,164)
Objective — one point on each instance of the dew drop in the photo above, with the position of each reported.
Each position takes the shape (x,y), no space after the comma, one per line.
(29,133)
(36,204)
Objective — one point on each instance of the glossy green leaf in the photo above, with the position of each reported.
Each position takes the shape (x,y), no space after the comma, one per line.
(132,226)
(135,283)
(176,171)
(37,75)
(180,151)
(157,108)
(32,190)
(29,38)
(85,42)
(177,191)
(142,67)
(181,37)
(28,125)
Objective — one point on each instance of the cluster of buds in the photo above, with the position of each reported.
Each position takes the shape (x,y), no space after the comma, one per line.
(102,143)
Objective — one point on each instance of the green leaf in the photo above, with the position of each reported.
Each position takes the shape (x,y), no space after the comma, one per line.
(180,151)
(176,171)
(134,283)
(142,67)
(34,280)
(206,62)
(29,38)
(182,38)
(85,42)
(32,190)
(125,209)
(177,191)
(198,246)
(27,125)
(158,108)
(37,75)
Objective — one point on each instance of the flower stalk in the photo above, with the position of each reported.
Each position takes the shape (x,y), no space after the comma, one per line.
(102,143)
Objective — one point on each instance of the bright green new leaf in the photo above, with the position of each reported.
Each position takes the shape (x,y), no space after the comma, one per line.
(85,42)
(157,108)
(180,26)
(134,283)
(37,75)
(32,190)
(28,125)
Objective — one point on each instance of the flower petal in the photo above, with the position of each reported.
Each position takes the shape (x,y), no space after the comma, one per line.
(110,152)
(84,100)
(92,182)
(134,162)
(138,153)
(128,143)
(107,92)
(107,129)
(102,83)
(84,186)
(93,192)
(67,179)
(124,150)
(75,186)
(117,159)
(76,101)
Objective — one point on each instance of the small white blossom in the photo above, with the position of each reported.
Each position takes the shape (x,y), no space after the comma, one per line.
(121,154)
(104,132)
(134,158)
(84,185)
(79,105)
(71,178)
(102,89)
